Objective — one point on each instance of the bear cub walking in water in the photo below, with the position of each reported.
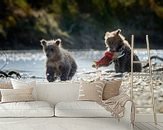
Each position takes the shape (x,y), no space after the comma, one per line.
(116,42)
(59,62)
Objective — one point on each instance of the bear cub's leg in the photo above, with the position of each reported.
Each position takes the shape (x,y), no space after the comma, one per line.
(64,73)
(72,71)
(50,74)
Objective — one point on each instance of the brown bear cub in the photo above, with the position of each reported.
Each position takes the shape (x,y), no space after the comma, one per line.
(116,42)
(59,62)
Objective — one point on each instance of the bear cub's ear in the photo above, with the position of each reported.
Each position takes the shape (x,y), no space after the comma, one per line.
(43,42)
(58,41)
(118,31)
(106,35)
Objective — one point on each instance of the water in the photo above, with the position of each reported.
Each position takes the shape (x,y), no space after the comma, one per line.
(32,63)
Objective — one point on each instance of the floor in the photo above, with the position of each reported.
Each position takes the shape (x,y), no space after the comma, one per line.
(146,122)
(73,124)
(63,124)
(148,126)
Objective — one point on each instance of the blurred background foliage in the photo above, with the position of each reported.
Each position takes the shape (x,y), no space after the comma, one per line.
(81,24)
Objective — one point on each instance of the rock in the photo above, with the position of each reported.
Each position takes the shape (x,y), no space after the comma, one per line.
(161,93)
(161,110)
(160,99)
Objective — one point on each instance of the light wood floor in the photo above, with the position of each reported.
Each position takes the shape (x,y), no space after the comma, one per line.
(148,126)
(74,124)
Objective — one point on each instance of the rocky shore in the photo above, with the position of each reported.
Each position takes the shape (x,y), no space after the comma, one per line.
(142,93)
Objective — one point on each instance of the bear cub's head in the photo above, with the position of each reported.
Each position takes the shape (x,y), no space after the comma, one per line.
(51,48)
(114,41)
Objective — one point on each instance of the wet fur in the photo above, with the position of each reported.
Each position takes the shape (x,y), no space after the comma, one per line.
(116,43)
(59,61)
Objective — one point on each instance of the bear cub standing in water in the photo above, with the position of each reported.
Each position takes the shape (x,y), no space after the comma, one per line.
(59,62)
